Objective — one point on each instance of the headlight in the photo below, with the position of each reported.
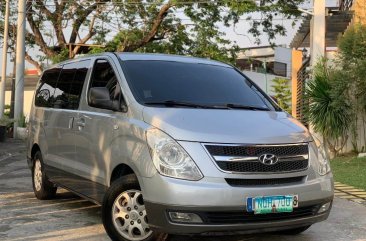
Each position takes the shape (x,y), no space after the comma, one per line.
(323,159)
(169,158)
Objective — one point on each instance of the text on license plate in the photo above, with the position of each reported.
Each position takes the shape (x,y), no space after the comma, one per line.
(272,204)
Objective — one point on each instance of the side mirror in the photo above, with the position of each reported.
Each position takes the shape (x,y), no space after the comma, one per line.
(99,98)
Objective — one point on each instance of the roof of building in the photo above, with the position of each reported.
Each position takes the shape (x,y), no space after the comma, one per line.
(30,82)
(336,24)
(259,53)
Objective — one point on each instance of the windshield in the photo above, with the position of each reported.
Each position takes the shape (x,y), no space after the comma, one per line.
(168,83)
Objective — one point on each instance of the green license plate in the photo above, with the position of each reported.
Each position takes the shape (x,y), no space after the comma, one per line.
(273,204)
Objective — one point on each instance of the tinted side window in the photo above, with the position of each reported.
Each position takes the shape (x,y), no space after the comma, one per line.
(46,88)
(64,83)
(70,85)
(104,76)
(82,68)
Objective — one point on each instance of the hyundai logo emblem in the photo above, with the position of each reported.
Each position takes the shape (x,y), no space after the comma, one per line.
(268,159)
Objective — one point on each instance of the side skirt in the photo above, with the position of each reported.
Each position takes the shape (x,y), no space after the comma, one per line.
(81,186)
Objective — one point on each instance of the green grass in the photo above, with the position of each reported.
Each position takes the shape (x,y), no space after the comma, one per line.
(350,170)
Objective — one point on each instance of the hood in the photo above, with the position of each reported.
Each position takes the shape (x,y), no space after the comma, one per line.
(227,126)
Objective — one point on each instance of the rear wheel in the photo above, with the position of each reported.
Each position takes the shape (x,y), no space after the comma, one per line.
(123,212)
(294,231)
(42,187)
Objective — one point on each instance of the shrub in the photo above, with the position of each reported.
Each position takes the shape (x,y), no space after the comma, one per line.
(282,92)
(329,110)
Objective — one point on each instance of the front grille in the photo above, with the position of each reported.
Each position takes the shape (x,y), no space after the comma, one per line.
(245,158)
(284,166)
(278,150)
(237,217)
(235,182)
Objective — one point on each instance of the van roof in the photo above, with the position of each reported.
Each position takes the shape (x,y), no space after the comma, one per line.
(167,57)
(127,56)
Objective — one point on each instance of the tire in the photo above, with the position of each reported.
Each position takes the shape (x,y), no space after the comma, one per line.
(42,187)
(294,231)
(123,213)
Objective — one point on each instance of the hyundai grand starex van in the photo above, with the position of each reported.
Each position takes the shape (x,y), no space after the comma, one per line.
(171,144)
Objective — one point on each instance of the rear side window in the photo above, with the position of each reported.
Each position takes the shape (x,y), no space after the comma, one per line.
(64,85)
(62,88)
(104,76)
(78,83)
(70,85)
(46,88)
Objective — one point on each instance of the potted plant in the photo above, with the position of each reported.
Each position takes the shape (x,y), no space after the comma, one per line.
(5,123)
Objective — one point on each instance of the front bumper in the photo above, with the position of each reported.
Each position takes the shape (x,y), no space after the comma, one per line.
(164,194)
(159,221)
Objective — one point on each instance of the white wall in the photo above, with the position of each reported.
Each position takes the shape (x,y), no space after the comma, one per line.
(284,55)
(361,136)
(28,98)
(260,80)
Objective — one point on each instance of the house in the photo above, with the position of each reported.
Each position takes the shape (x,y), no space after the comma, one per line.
(337,20)
(262,64)
(30,81)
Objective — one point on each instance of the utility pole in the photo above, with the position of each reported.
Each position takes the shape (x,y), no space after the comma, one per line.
(20,54)
(12,98)
(5,60)
(13,60)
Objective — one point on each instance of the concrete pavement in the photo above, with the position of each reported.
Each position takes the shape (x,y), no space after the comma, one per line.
(23,217)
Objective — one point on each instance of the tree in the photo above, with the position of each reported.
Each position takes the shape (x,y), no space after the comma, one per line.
(352,61)
(329,110)
(59,28)
(282,91)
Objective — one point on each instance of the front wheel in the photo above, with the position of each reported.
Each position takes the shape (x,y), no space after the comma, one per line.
(123,212)
(42,187)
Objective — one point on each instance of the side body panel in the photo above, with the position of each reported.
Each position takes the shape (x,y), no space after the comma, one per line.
(104,140)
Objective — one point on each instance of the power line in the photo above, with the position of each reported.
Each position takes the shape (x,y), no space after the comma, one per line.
(105,2)
(146,3)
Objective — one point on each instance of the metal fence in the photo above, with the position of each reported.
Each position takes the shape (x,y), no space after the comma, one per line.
(302,76)
(345,5)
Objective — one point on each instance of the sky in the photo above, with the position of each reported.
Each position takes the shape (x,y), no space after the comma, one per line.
(231,34)
(237,34)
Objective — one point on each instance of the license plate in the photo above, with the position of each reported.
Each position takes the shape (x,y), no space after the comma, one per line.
(272,204)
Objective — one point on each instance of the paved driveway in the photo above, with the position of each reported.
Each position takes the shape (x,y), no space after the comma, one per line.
(23,217)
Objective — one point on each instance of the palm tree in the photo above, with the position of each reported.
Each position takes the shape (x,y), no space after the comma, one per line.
(329,111)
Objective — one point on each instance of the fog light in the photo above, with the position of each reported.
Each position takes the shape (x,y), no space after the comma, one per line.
(324,208)
(184,217)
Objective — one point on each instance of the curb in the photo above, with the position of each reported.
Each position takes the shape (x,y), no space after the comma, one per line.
(350,193)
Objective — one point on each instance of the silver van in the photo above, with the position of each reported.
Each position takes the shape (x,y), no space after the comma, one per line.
(172,144)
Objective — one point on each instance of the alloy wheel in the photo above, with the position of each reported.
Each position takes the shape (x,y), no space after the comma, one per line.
(129,216)
(37,175)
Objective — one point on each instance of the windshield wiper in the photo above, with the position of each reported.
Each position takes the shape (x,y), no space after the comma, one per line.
(246,107)
(187,104)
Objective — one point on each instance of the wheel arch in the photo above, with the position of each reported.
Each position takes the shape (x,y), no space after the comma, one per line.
(120,171)
(34,150)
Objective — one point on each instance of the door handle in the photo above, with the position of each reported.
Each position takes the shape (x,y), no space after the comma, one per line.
(71,122)
(80,123)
